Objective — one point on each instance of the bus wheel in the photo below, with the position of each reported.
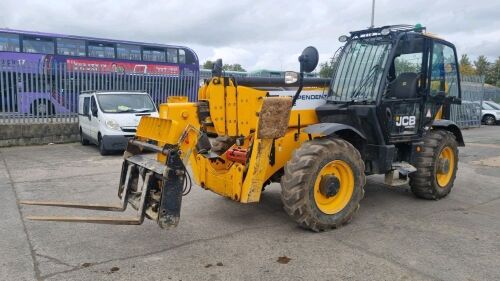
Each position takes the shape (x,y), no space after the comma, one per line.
(42,108)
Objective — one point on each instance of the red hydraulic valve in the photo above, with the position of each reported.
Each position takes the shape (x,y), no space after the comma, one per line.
(237,154)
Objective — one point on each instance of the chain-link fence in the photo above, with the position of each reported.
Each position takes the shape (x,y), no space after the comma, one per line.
(37,94)
(468,114)
(491,93)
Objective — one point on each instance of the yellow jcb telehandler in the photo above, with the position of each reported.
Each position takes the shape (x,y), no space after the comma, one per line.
(384,111)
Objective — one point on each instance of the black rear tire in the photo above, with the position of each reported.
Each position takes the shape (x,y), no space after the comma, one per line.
(301,174)
(424,182)
(83,140)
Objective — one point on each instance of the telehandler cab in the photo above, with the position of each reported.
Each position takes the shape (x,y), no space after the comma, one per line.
(385,111)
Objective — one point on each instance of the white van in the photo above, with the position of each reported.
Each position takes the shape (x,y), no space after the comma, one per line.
(109,119)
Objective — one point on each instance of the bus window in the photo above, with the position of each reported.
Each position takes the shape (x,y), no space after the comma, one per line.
(9,42)
(172,55)
(38,45)
(128,52)
(153,55)
(182,56)
(101,50)
(190,57)
(70,47)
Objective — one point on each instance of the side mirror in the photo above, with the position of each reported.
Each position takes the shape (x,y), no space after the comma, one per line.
(94,112)
(309,59)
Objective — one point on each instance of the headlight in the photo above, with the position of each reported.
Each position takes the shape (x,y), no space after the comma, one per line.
(385,31)
(291,77)
(113,125)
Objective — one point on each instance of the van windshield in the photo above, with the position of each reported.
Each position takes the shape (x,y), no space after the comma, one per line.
(123,103)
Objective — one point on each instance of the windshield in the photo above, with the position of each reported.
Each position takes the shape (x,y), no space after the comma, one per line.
(493,105)
(120,103)
(360,67)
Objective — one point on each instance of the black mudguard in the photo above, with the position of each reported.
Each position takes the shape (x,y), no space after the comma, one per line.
(327,129)
(443,124)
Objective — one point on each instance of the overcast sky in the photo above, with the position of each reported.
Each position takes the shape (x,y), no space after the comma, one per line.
(257,34)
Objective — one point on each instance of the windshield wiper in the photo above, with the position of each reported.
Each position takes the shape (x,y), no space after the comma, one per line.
(141,110)
(373,73)
(126,110)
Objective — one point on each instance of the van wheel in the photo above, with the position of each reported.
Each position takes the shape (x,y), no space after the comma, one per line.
(83,140)
(100,144)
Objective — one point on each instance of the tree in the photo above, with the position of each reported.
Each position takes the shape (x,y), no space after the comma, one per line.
(466,67)
(208,64)
(493,75)
(403,65)
(482,65)
(229,67)
(233,67)
(326,68)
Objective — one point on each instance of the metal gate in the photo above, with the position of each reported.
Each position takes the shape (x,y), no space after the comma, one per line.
(37,94)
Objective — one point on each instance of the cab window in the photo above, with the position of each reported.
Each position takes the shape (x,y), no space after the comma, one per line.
(93,105)
(444,74)
(85,109)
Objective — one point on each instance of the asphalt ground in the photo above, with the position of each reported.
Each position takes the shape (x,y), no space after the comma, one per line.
(394,236)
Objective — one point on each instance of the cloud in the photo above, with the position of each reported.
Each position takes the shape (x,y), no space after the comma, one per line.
(256,33)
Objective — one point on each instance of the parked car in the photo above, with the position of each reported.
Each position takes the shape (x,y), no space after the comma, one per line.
(490,113)
(109,119)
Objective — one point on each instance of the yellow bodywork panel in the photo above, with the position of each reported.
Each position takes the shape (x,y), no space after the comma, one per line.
(225,181)
(268,127)
(249,101)
(174,99)
(232,109)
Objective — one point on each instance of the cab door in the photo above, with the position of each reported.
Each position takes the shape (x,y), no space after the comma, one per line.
(403,98)
(444,82)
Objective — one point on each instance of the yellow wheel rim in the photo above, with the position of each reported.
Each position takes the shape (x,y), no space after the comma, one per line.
(336,203)
(444,177)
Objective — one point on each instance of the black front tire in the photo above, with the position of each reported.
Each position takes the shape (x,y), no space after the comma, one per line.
(102,149)
(423,182)
(301,173)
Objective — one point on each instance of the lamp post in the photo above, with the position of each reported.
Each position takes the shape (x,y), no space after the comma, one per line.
(373,14)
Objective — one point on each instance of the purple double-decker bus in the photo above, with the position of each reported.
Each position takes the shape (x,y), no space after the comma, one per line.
(27,57)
